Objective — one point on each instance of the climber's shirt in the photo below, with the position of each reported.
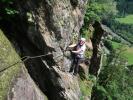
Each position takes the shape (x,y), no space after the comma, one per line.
(82,50)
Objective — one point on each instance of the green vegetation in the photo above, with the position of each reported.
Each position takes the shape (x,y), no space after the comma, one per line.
(122,23)
(100,9)
(129,55)
(126,20)
(97,10)
(123,30)
(86,87)
(8,56)
(115,80)
(115,44)
(5,6)
(125,7)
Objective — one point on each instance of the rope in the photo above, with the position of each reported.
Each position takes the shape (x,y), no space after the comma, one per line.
(25,58)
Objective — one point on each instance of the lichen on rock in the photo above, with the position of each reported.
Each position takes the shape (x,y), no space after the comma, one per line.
(15,83)
(8,57)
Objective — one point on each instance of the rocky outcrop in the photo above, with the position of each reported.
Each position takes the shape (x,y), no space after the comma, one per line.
(46,27)
(24,88)
(83,71)
(54,22)
(99,33)
(15,83)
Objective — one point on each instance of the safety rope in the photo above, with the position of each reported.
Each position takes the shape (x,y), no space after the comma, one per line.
(23,59)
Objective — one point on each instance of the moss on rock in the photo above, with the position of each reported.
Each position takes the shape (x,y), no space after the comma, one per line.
(8,57)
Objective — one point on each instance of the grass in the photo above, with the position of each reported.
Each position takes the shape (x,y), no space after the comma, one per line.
(128,53)
(115,44)
(8,56)
(126,20)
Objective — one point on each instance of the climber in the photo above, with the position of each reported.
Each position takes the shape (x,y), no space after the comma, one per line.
(78,55)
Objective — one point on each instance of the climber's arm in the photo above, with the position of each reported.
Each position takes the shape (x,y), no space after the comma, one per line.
(71,46)
(78,51)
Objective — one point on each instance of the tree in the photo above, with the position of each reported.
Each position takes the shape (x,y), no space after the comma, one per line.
(101,9)
(115,80)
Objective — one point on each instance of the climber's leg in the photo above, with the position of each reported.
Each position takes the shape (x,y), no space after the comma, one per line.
(76,69)
(73,64)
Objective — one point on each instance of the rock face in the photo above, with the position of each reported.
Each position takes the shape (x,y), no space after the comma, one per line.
(23,88)
(46,27)
(51,32)
(15,83)
(96,56)
(100,32)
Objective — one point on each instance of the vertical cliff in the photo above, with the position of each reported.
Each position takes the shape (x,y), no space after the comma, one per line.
(96,42)
(15,82)
(50,31)
(46,27)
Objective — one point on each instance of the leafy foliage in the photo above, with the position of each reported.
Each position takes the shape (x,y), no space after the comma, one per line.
(114,82)
(108,44)
(8,9)
(126,20)
(100,9)
(122,29)
(115,79)
(125,7)
(86,87)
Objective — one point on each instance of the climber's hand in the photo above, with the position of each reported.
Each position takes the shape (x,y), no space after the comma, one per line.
(70,50)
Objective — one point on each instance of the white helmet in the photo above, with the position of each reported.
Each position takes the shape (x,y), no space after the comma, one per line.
(83,39)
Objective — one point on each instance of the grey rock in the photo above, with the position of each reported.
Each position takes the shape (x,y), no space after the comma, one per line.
(48,29)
